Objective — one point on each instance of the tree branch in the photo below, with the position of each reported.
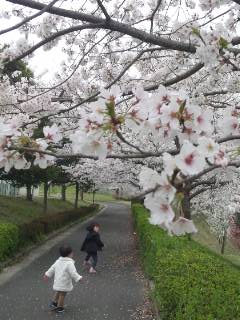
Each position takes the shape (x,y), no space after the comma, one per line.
(29,18)
(121,137)
(153,14)
(198,192)
(112,25)
(131,63)
(104,10)
(54,36)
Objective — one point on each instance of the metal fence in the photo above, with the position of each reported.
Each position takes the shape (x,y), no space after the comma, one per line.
(7,189)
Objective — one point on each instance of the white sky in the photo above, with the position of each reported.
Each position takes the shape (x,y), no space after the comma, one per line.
(45,63)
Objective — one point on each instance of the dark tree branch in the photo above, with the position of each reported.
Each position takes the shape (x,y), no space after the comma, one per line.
(153,14)
(203,182)
(178,78)
(128,66)
(236,1)
(121,137)
(198,192)
(55,36)
(115,26)
(104,10)
(16,26)
(112,25)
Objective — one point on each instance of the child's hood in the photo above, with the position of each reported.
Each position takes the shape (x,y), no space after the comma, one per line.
(91,227)
(66,259)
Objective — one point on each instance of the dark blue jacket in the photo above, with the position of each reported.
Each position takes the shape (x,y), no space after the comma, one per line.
(92,242)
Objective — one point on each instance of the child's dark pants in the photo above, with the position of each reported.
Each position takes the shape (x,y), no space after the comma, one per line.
(94,257)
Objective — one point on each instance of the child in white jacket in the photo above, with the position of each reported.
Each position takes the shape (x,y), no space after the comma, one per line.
(64,272)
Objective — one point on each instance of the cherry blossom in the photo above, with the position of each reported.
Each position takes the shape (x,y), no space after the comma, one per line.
(190,161)
(52,133)
(156,100)
(182,226)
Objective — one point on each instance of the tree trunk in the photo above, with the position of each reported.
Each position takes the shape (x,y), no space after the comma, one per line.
(64,192)
(224,239)
(186,206)
(76,195)
(29,192)
(93,197)
(81,194)
(45,197)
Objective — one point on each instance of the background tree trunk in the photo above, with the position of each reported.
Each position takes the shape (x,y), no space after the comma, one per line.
(224,240)
(29,195)
(64,188)
(186,206)
(76,195)
(45,197)
(81,194)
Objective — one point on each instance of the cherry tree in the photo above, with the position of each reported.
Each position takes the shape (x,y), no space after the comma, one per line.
(151,85)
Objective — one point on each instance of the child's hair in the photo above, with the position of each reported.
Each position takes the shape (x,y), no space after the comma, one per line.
(96,224)
(92,226)
(65,251)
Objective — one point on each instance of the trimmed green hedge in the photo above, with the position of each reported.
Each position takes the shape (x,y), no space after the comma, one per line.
(9,239)
(191,283)
(13,237)
(34,229)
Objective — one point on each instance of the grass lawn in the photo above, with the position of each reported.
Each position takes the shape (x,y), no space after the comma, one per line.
(208,239)
(70,194)
(19,210)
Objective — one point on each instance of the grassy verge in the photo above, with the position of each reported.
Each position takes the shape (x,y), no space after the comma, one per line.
(191,282)
(55,191)
(208,239)
(18,210)
(15,239)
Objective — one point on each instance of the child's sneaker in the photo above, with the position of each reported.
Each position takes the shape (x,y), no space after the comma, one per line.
(60,310)
(92,270)
(53,305)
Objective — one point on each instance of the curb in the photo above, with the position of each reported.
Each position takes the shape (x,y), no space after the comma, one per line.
(154,305)
(11,267)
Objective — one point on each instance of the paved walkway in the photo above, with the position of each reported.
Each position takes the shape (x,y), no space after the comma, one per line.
(116,292)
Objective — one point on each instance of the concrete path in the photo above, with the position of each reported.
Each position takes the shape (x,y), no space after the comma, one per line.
(117,292)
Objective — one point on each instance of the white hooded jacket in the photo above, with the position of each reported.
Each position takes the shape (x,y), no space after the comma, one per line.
(64,272)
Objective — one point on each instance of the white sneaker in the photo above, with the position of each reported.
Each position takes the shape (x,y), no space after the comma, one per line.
(92,270)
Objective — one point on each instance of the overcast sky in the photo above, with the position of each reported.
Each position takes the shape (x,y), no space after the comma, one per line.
(44,62)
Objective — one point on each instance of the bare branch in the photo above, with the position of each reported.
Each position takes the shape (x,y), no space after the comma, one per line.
(198,192)
(142,194)
(116,26)
(153,14)
(16,26)
(228,138)
(112,25)
(104,10)
(172,81)
(54,36)
(121,137)
(127,67)
(236,1)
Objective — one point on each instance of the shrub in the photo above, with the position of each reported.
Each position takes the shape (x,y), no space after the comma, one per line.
(9,238)
(30,232)
(13,237)
(191,283)
(35,229)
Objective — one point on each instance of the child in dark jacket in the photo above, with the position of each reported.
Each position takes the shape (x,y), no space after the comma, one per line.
(92,244)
